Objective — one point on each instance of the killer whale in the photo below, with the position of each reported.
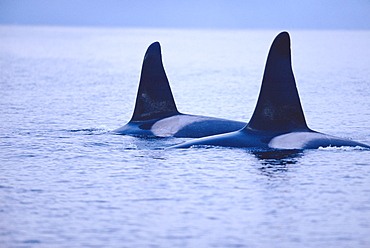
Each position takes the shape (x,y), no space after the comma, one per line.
(155,113)
(278,121)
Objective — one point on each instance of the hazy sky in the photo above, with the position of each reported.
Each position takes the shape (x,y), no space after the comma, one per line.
(256,14)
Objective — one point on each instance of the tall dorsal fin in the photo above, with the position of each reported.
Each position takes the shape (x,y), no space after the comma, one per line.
(154,97)
(278,107)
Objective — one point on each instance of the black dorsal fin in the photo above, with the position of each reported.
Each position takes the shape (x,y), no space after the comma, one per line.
(278,107)
(154,97)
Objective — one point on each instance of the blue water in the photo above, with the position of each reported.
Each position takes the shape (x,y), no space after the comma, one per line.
(66,181)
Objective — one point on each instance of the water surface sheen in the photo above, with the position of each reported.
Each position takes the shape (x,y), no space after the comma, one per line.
(66,181)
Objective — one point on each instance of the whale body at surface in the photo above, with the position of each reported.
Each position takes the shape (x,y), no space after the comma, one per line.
(156,114)
(278,120)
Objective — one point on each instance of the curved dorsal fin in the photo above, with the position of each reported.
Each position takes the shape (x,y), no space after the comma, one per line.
(278,107)
(154,97)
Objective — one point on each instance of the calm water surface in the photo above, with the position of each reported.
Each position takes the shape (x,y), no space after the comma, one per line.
(66,181)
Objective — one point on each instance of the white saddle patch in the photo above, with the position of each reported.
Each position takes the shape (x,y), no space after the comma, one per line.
(169,126)
(295,140)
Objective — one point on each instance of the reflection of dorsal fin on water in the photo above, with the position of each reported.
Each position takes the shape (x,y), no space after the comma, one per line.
(278,107)
(154,97)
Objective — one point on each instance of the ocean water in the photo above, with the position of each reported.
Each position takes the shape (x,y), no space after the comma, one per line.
(67,181)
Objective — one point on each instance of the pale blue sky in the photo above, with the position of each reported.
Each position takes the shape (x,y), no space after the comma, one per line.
(239,14)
